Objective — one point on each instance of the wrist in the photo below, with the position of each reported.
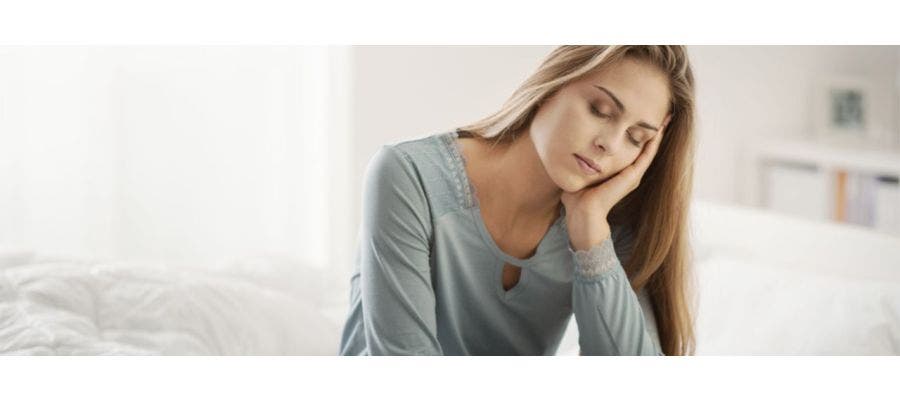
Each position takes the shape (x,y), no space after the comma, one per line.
(593,236)
(596,263)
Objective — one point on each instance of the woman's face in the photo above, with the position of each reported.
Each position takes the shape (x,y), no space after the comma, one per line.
(604,118)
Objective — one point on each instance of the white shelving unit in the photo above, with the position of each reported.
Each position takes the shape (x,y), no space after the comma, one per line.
(802,177)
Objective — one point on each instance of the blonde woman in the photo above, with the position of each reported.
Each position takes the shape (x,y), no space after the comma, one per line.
(570,200)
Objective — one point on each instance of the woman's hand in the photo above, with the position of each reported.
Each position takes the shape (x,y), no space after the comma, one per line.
(588,208)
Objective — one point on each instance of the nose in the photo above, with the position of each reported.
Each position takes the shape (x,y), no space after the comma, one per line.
(609,141)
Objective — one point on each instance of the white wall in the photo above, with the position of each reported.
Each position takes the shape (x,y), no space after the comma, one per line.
(744,92)
(185,155)
(403,92)
(55,147)
(748,92)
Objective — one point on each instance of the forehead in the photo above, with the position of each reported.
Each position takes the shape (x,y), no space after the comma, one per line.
(642,87)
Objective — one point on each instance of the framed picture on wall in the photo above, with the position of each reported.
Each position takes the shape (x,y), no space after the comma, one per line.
(843,111)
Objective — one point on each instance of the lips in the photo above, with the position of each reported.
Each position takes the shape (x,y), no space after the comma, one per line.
(588,166)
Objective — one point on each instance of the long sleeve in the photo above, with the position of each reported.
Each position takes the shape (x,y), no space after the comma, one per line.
(397,298)
(607,311)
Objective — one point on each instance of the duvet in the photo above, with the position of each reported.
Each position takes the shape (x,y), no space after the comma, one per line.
(60,307)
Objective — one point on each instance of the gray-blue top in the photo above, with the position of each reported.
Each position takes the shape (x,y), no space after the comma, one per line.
(428,274)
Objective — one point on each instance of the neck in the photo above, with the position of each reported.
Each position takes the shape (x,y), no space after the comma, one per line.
(514,185)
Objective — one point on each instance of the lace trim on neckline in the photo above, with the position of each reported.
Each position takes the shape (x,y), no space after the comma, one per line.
(464,190)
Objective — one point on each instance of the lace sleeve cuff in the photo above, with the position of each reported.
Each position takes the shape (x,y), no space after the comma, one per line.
(596,262)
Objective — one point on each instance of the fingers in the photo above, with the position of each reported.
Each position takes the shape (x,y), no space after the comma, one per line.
(666,123)
(649,151)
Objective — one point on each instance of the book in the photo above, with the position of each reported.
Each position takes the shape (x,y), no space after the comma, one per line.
(887,204)
(840,196)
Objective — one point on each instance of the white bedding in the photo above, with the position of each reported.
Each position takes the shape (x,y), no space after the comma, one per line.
(775,284)
(772,284)
(83,308)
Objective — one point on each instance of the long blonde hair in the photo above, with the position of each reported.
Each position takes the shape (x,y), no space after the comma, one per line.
(657,210)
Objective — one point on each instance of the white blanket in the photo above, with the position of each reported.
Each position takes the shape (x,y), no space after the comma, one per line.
(83,308)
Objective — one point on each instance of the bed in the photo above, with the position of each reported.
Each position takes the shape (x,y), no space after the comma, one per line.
(772,284)
(767,284)
(261,306)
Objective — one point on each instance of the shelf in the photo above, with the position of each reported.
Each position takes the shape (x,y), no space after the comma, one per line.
(841,183)
(831,157)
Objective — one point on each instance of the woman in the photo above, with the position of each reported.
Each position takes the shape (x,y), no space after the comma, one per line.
(571,199)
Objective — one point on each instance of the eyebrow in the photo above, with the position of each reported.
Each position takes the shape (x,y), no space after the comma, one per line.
(621,106)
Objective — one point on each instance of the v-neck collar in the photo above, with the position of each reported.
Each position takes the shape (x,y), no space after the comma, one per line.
(470,202)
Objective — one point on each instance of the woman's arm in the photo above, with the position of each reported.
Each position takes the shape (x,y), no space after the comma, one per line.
(607,311)
(398,301)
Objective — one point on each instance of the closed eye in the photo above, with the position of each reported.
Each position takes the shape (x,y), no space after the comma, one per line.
(631,139)
(598,113)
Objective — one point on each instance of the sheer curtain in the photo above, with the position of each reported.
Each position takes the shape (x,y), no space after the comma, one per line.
(181,155)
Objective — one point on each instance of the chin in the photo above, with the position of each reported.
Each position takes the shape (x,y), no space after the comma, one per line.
(572,183)
(580,182)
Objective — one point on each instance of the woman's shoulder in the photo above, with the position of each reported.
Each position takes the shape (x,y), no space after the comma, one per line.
(406,151)
(427,164)
(418,152)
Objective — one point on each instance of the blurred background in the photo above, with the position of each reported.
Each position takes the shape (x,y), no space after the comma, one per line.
(199,156)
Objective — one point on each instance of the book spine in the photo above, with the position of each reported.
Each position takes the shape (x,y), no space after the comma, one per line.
(840,196)
(887,204)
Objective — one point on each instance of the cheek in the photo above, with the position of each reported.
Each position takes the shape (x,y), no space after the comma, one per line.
(554,151)
(624,161)
(552,131)
(551,152)
(550,125)
(563,115)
